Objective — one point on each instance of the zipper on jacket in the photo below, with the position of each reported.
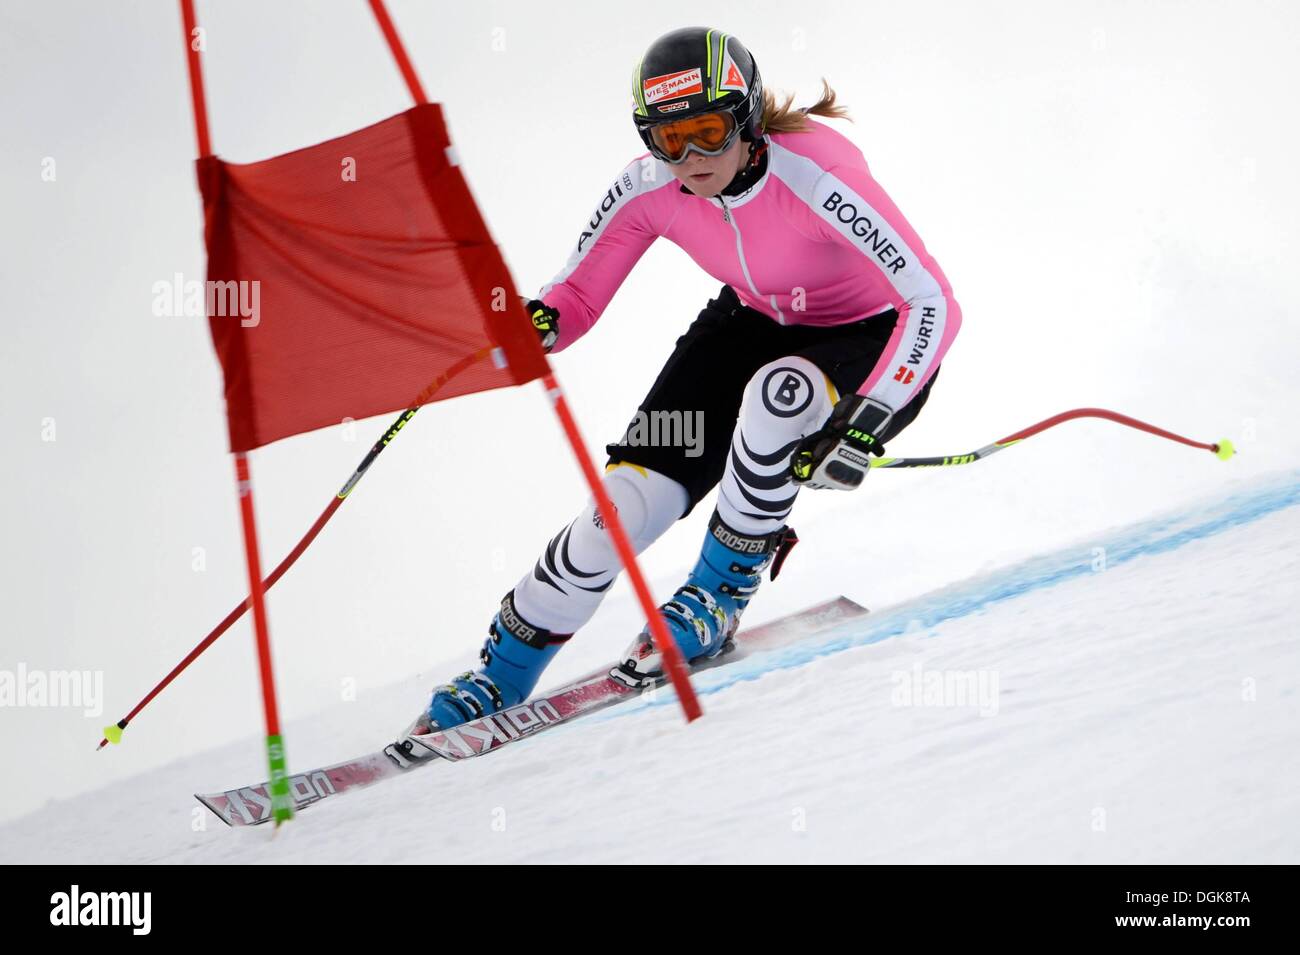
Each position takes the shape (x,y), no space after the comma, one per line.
(744,266)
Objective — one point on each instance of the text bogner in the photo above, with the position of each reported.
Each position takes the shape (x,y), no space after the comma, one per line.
(891,258)
(863,228)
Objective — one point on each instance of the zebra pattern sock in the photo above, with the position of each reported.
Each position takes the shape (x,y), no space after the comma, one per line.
(574,573)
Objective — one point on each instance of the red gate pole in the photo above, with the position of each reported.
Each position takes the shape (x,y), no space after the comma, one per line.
(674,664)
(281,804)
(399,51)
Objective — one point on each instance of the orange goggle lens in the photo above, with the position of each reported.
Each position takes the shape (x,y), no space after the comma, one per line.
(709,132)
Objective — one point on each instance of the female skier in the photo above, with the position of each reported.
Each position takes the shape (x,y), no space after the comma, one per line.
(822,344)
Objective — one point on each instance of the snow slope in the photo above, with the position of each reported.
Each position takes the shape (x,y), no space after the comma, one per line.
(1135,701)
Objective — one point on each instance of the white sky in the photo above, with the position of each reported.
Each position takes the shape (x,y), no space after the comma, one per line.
(1110,188)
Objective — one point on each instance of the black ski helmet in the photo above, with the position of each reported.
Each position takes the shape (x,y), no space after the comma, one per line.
(697,70)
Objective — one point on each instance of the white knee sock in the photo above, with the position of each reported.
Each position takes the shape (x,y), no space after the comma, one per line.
(572,577)
(784,401)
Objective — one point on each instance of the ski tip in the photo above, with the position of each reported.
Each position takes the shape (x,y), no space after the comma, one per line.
(207,804)
(1224,450)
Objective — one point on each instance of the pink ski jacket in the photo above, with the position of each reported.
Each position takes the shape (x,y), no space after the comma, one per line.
(815,241)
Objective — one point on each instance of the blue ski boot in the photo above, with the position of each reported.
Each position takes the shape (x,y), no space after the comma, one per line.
(704,613)
(513,659)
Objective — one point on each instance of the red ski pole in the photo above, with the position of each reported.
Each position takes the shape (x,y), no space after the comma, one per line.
(113,734)
(1223,450)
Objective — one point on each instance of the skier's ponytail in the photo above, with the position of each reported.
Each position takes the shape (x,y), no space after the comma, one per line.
(784,118)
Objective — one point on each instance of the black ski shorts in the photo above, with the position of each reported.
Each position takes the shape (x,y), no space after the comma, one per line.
(705,377)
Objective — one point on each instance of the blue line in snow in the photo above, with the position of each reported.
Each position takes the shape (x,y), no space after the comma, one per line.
(1157,536)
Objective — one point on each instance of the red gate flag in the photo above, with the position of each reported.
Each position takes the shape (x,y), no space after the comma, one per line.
(346,279)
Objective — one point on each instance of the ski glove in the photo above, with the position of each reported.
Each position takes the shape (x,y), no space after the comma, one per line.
(835,456)
(546,321)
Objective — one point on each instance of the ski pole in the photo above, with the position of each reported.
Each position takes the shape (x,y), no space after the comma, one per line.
(1223,450)
(113,733)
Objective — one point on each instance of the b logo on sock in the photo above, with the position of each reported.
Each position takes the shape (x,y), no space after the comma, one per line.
(787,392)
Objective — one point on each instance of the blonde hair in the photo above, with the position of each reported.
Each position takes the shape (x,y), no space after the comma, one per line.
(784,118)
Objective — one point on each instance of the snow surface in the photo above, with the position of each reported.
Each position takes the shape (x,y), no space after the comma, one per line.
(1139,703)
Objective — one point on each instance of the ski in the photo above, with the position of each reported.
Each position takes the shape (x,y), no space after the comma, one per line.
(251,805)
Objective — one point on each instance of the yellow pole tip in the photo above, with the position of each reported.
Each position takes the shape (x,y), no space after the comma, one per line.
(1225,450)
(113,734)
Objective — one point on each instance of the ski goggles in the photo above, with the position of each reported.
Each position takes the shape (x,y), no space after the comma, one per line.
(706,133)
